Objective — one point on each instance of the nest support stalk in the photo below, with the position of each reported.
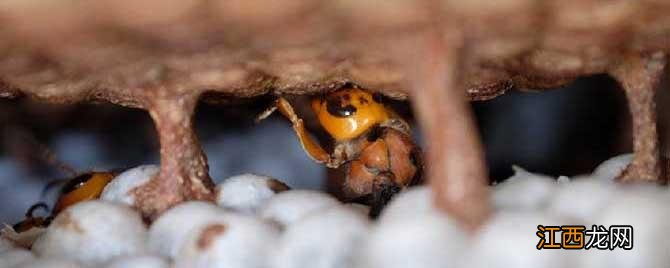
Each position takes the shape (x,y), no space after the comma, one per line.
(456,168)
(639,76)
(183,171)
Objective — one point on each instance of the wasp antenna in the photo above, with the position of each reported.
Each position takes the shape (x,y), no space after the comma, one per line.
(50,185)
(51,158)
(38,149)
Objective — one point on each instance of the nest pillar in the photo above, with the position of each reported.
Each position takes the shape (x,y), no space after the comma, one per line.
(183,171)
(456,168)
(639,76)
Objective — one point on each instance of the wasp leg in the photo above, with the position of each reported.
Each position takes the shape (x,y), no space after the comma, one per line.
(639,76)
(31,221)
(309,145)
(31,210)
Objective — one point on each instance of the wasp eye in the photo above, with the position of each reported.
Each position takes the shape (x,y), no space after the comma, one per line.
(76,183)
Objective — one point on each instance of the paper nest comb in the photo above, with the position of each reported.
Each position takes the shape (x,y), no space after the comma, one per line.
(161,56)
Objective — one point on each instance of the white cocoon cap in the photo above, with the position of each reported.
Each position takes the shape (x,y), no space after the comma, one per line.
(167,233)
(509,240)
(612,168)
(289,206)
(412,202)
(360,208)
(523,191)
(581,200)
(229,241)
(645,208)
(139,261)
(246,193)
(93,232)
(121,187)
(15,257)
(428,240)
(6,245)
(324,239)
(49,263)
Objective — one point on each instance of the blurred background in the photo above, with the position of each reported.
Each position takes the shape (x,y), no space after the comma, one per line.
(564,131)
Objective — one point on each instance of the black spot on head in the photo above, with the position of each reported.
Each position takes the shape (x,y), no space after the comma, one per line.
(363,100)
(76,182)
(346,97)
(336,107)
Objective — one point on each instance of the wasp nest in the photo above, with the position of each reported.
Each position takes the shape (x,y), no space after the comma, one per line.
(300,228)
(162,56)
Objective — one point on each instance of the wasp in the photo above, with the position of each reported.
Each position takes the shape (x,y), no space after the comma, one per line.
(83,187)
(373,145)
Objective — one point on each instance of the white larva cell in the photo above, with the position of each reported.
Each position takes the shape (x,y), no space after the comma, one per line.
(360,208)
(509,240)
(581,200)
(644,209)
(49,263)
(6,245)
(563,179)
(428,240)
(139,261)
(246,193)
(168,232)
(523,191)
(121,187)
(92,233)
(15,257)
(325,239)
(612,168)
(229,241)
(288,207)
(412,202)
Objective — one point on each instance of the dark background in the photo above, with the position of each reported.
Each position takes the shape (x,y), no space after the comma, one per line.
(565,131)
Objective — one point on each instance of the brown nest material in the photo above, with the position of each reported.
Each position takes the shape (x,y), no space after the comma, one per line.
(162,55)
